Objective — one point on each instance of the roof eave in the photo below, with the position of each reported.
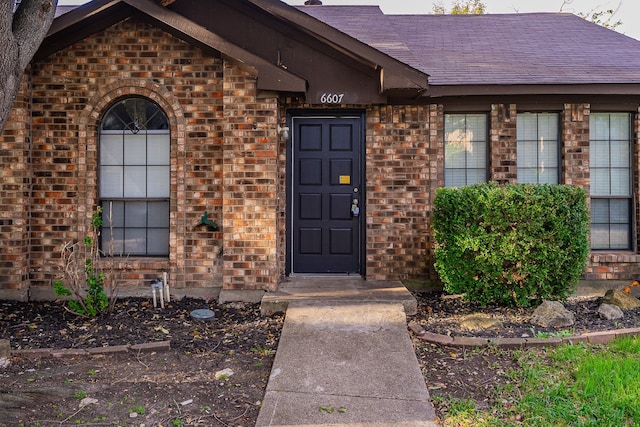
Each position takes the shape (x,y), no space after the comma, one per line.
(394,74)
(437,91)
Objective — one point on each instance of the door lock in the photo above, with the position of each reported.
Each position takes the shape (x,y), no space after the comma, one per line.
(355,209)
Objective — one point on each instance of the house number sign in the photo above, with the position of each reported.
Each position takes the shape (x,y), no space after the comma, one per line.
(331,98)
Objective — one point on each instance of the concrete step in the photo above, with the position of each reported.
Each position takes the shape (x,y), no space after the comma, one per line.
(337,289)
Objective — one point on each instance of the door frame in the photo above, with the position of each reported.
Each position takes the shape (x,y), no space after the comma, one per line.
(324,114)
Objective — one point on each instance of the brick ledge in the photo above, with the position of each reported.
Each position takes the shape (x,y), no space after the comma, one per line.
(600,337)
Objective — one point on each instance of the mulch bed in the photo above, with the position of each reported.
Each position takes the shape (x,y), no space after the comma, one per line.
(135,321)
(441,314)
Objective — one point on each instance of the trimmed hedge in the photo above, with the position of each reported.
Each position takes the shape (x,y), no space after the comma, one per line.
(511,245)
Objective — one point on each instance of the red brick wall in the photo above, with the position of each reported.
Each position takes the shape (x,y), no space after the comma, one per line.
(398,196)
(15,198)
(504,166)
(72,90)
(251,185)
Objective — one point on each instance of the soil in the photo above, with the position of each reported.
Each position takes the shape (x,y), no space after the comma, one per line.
(175,387)
(441,314)
(178,387)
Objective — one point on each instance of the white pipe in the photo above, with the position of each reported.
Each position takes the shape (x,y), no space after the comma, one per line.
(166,286)
(153,291)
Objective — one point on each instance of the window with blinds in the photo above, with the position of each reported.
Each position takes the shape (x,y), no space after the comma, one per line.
(610,168)
(465,149)
(538,148)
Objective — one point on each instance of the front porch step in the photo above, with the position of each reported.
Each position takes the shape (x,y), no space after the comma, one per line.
(337,290)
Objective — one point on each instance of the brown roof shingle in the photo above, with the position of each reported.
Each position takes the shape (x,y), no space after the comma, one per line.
(507,49)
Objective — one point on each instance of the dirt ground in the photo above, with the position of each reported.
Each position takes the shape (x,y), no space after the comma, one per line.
(176,387)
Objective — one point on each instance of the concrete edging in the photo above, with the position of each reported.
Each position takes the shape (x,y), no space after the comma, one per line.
(600,337)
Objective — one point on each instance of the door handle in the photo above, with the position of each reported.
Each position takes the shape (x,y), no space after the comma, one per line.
(355,209)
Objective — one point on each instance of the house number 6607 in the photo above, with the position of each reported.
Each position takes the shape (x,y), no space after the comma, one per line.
(331,98)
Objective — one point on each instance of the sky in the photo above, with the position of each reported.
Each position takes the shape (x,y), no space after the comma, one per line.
(628,10)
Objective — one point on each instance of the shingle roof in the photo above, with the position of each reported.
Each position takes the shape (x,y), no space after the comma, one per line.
(507,49)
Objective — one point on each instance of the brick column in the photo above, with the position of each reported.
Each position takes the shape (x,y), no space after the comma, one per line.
(575,150)
(398,194)
(504,166)
(14,187)
(250,185)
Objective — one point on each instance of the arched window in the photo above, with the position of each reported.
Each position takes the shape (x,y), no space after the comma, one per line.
(134,161)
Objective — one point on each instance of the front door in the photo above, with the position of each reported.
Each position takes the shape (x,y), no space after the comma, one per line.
(327,200)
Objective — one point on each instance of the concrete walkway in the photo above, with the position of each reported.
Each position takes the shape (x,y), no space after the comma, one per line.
(345,359)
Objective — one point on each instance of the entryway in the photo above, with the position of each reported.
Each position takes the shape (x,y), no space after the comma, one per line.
(326,194)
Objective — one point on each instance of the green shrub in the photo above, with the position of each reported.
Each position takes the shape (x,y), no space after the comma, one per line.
(513,244)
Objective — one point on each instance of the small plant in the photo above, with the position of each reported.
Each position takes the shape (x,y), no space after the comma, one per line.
(178,422)
(80,394)
(91,372)
(140,410)
(84,280)
(263,351)
(558,334)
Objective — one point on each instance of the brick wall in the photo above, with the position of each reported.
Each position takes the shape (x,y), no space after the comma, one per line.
(14,199)
(398,196)
(251,185)
(72,90)
(503,160)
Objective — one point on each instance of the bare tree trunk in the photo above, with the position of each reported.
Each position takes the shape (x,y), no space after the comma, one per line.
(20,36)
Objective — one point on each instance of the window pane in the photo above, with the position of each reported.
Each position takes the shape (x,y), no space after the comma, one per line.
(599,211)
(135,149)
(477,155)
(113,244)
(599,154)
(135,241)
(620,185)
(475,176)
(599,127)
(547,127)
(619,211)
(600,236)
(135,178)
(547,176)
(136,214)
(527,154)
(158,242)
(619,236)
(620,154)
(159,149)
(600,185)
(455,177)
(477,127)
(526,127)
(528,175)
(158,181)
(111,181)
(619,127)
(158,214)
(111,149)
(112,214)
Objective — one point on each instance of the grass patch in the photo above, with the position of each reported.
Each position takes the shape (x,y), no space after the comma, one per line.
(570,385)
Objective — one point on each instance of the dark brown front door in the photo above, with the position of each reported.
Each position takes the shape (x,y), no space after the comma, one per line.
(326,206)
